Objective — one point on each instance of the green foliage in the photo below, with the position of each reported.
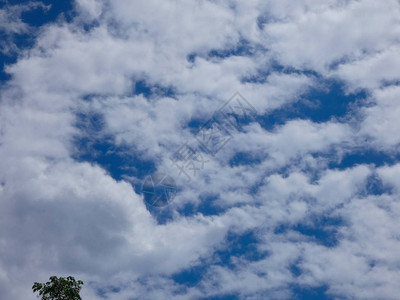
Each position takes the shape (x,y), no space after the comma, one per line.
(59,288)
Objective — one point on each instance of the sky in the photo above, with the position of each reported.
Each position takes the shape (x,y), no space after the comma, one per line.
(201,149)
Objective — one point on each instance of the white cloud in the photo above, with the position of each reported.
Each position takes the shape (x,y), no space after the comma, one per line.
(381,119)
(316,35)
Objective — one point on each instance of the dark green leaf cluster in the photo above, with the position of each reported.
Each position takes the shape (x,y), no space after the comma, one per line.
(59,289)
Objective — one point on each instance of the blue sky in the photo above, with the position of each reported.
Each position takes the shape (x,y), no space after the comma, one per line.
(296,199)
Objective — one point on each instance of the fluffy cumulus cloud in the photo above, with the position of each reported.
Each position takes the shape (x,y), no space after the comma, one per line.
(299,198)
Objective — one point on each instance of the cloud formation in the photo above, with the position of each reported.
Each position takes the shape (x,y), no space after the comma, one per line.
(291,205)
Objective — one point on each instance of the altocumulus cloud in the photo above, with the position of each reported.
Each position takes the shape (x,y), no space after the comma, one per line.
(301,203)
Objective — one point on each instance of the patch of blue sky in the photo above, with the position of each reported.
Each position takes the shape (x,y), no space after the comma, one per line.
(246,158)
(222,297)
(326,102)
(295,165)
(349,159)
(144,88)
(322,230)
(5,60)
(191,276)
(310,293)
(104,292)
(320,104)
(35,17)
(261,75)
(229,122)
(375,186)
(360,156)
(162,215)
(122,162)
(207,206)
(243,246)
(295,268)
(95,147)
(261,21)
(330,160)
(149,90)
(387,83)
(241,48)
(364,156)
